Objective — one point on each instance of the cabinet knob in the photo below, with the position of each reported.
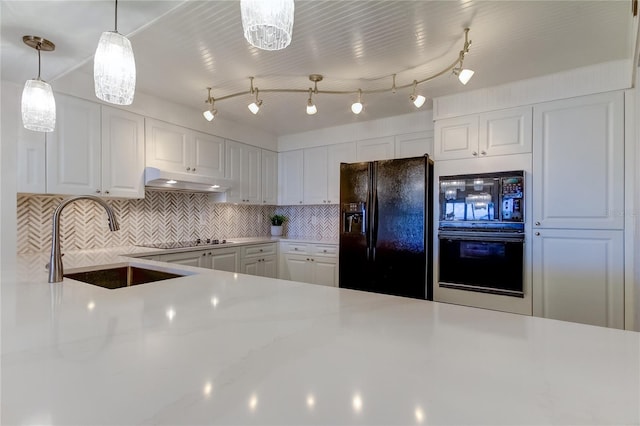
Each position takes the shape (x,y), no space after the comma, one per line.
(328,201)
(97,191)
(194,169)
(537,234)
(106,192)
(261,250)
(324,251)
(474,153)
(300,202)
(307,259)
(537,223)
(188,168)
(312,259)
(483,152)
(296,249)
(204,254)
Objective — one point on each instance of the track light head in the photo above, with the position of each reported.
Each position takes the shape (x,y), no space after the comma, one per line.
(254,107)
(418,100)
(210,113)
(357,106)
(311,107)
(464,74)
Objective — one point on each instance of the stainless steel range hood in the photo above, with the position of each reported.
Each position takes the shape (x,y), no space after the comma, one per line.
(185,182)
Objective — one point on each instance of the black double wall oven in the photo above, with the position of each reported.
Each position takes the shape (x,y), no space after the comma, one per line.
(481,233)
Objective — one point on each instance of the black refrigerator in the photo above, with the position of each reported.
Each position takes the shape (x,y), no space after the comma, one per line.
(386,218)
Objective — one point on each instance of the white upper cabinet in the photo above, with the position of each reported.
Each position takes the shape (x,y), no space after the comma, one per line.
(32,157)
(480,135)
(269,177)
(122,153)
(243,167)
(375,149)
(315,175)
(178,149)
(505,132)
(290,177)
(414,145)
(578,163)
(73,149)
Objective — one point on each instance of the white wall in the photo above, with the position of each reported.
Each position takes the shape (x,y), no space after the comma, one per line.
(81,85)
(11,126)
(392,126)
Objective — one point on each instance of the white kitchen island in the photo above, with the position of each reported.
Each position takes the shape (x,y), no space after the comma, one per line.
(224,348)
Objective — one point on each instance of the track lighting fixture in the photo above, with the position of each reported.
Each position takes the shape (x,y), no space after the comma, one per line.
(210,113)
(311,107)
(418,100)
(38,103)
(114,67)
(254,107)
(356,107)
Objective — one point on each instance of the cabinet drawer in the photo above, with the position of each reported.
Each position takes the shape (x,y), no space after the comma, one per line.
(259,250)
(297,248)
(325,250)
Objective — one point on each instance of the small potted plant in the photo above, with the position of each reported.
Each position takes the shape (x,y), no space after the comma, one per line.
(276,224)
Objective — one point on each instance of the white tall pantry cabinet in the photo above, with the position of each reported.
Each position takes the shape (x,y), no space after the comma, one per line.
(578,205)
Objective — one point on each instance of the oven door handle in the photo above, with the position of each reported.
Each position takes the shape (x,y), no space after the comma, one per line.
(481,237)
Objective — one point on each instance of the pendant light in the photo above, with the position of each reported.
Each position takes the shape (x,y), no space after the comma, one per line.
(267,24)
(114,67)
(38,103)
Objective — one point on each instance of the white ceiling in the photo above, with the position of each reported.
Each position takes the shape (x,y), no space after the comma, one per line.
(183,47)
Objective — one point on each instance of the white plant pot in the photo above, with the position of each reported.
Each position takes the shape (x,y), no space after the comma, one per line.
(276,230)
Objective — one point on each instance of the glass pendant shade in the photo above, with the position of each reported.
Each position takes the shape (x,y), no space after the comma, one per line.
(114,69)
(465,75)
(267,24)
(38,106)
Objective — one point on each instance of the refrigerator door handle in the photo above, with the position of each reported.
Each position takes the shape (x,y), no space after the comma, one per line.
(373,220)
(366,221)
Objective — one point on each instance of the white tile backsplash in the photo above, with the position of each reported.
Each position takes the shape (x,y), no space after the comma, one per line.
(160,217)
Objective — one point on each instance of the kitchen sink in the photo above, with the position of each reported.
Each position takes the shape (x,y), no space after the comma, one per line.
(122,276)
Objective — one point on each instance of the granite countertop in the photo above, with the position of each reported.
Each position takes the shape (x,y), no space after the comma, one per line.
(223,348)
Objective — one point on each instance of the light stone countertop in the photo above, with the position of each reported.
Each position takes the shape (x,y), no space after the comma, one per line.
(224,348)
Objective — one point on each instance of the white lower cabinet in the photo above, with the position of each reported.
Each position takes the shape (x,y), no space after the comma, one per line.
(310,263)
(225,259)
(260,260)
(578,276)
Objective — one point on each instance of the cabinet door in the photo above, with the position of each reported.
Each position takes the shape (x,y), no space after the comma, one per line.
(456,138)
(505,132)
(315,175)
(122,153)
(336,154)
(233,164)
(269,177)
(73,149)
(32,157)
(269,267)
(251,266)
(414,145)
(290,176)
(375,149)
(167,146)
(224,260)
(251,172)
(325,271)
(298,268)
(208,155)
(190,258)
(578,163)
(578,275)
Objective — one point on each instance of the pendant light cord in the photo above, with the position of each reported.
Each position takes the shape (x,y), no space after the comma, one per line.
(116,16)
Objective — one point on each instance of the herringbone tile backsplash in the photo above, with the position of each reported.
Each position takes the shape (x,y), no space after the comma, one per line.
(162,217)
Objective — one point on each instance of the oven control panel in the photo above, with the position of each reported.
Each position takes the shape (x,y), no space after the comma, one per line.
(512,198)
